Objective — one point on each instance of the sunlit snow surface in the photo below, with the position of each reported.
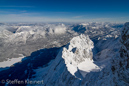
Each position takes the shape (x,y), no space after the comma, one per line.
(10,62)
(87,66)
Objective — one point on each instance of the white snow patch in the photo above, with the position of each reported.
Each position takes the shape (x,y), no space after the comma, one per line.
(71,68)
(10,62)
(87,66)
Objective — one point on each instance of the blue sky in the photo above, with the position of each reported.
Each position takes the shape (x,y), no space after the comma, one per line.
(64,10)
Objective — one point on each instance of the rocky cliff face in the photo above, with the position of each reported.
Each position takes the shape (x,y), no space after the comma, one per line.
(121,65)
(125,35)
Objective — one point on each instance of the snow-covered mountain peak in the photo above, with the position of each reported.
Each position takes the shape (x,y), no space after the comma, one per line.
(79,48)
(23,28)
(78,53)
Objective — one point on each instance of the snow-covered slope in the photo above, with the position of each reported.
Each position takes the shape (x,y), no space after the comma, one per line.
(74,65)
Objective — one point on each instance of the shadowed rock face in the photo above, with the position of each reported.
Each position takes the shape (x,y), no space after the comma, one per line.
(124,51)
(125,35)
(124,54)
(120,67)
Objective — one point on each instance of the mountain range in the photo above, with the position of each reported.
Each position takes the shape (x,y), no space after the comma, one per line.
(85,54)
